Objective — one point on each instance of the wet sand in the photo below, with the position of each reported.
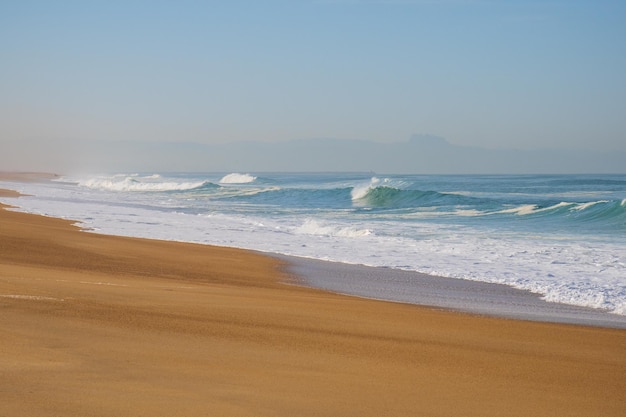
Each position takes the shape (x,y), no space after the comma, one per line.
(96,325)
(467,296)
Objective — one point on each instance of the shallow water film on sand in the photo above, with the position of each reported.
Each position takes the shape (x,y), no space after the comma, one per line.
(562,236)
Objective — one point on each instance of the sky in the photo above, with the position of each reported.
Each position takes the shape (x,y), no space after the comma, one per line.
(485,73)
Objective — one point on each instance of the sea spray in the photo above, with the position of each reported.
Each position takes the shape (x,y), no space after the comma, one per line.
(236,178)
(133,183)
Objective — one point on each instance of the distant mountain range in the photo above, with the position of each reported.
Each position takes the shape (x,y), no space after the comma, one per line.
(422,154)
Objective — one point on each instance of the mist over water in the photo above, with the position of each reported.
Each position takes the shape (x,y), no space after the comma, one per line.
(562,236)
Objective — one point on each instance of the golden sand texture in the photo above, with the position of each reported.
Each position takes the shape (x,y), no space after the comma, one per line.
(94,325)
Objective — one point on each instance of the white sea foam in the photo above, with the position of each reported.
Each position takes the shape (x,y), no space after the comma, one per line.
(130,183)
(527,209)
(520,210)
(360,191)
(583,206)
(242,192)
(556,206)
(469,213)
(236,178)
(313,227)
(534,209)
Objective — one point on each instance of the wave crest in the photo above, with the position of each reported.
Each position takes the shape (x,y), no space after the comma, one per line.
(386,193)
(143,184)
(361,191)
(591,209)
(312,227)
(236,178)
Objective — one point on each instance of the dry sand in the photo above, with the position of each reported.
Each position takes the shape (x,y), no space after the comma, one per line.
(95,325)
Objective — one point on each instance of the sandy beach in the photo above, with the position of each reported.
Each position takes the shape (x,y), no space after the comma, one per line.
(96,325)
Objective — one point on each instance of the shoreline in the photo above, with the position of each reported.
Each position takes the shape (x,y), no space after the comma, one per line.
(416,288)
(99,325)
(464,296)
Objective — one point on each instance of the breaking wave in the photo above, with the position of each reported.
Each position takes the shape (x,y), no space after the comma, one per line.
(144,184)
(385,193)
(602,210)
(313,227)
(236,178)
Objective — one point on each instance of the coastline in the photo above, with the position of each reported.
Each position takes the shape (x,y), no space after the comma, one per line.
(474,297)
(544,253)
(98,325)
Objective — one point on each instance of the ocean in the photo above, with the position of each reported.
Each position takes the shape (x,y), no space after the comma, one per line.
(561,236)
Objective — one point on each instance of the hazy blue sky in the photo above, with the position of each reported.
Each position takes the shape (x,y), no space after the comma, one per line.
(496,74)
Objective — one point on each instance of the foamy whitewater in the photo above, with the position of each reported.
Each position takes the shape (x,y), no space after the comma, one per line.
(563,237)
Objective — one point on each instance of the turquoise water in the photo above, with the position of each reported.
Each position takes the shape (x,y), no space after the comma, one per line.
(563,236)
